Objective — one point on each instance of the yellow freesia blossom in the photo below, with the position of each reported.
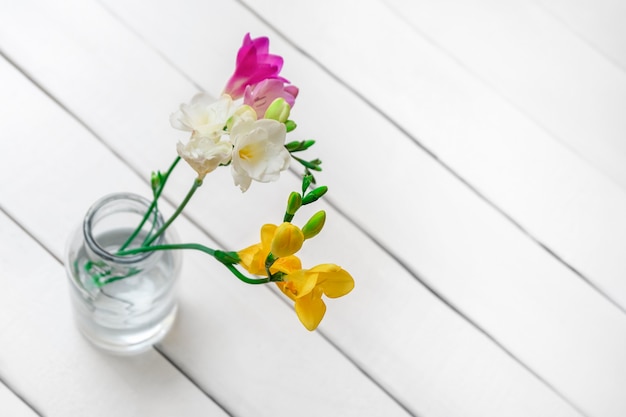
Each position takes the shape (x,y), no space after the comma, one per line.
(306,287)
(253,257)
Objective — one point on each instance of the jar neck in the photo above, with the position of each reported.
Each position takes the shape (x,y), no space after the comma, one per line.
(110,222)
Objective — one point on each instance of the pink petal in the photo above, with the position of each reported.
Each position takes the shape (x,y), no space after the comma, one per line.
(261,95)
(254,64)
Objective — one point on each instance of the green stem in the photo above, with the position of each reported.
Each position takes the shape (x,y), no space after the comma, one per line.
(199,247)
(152,207)
(196,183)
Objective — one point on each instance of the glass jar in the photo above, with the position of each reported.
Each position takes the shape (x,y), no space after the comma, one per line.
(122,304)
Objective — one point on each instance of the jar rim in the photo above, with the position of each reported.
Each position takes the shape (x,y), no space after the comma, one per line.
(91,219)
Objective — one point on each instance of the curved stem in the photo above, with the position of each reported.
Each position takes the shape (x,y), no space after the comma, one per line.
(152,207)
(196,184)
(199,247)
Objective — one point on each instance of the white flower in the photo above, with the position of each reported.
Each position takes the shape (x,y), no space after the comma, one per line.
(243,113)
(204,116)
(204,154)
(259,151)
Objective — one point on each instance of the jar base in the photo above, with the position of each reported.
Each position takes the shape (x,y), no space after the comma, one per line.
(127,342)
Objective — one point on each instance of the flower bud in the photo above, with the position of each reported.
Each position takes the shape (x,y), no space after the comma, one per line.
(279,110)
(314,225)
(288,239)
(314,195)
(293,204)
(155,180)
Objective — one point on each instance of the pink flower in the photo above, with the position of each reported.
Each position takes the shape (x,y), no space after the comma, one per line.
(260,96)
(254,64)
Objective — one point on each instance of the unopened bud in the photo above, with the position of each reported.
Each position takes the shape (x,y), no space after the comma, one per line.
(314,195)
(314,225)
(279,110)
(288,239)
(293,204)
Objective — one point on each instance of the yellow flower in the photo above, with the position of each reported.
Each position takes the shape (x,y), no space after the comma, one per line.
(253,257)
(306,287)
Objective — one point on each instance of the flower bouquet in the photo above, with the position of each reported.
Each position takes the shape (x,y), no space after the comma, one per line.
(245,130)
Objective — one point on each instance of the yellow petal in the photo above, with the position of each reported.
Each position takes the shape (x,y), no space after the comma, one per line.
(285,288)
(267,234)
(301,282)
(287,265)
(287,240)
(247,255)
(333,280)
(310,310)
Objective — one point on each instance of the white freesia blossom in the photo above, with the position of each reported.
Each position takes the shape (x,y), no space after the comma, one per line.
(204,154)
(204,116)
(243,113)
(259,151)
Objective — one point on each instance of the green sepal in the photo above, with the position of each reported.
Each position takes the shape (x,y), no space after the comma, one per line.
(313,165)
(290,125)
(306,183)
(156,181)
(227,258)
(277,277)
(298,146)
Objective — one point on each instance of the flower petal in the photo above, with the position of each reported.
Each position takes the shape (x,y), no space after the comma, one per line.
(261,95)
(247,258)
(259,151)
(301,282)
(287,265)
(204,154)
(333,280)
(204,116)
(267,234)
(310,310)
(254,64)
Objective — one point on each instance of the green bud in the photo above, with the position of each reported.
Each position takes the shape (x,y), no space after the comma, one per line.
(314,195)
(314,225)
(298,146)
(294,203)
(155,180)
(278,110)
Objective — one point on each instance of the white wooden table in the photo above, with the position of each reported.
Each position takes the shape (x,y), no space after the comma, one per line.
(475,153)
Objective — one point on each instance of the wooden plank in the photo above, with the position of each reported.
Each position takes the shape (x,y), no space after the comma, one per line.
(598,22)
(551,75)
(198,341)
(539,268)
(45,359)
(565,204)
(242,361)
(425,368)
(12,405)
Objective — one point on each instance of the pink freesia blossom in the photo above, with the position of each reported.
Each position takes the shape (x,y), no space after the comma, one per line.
(254,64)
(260,96)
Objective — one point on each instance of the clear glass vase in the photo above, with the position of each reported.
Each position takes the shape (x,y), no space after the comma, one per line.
(122,304)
